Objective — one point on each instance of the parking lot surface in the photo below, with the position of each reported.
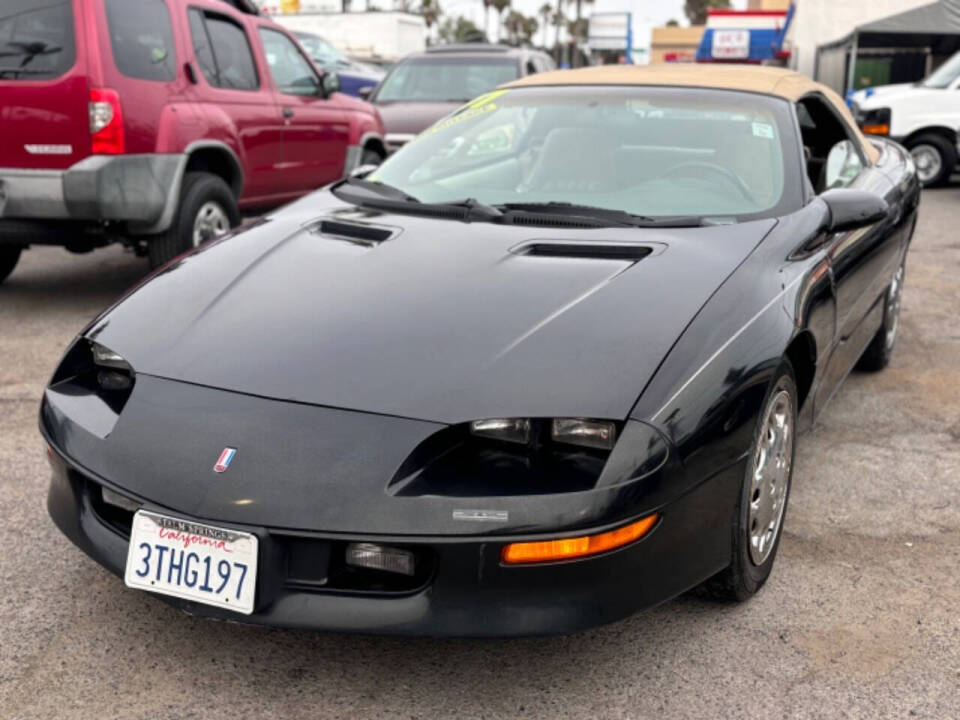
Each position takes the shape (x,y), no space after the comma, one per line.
(861,617)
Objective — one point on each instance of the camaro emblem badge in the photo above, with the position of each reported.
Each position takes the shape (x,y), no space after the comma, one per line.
(226,457)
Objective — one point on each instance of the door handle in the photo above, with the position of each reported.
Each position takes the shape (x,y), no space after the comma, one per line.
(288,112)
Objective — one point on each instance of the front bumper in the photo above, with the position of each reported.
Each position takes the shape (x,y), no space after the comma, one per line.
(138,189)
(469,592)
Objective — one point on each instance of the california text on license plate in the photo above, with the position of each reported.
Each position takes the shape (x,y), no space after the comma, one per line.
(189,560)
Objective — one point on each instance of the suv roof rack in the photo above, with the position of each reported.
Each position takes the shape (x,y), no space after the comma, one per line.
(469,47)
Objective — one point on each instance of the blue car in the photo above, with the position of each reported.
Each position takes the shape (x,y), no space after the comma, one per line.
(353,76)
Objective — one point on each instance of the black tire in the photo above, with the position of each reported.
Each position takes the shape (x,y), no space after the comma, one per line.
(877,355)
(931,142)
(746,575)
(198,192)
(370,157)
(9,257)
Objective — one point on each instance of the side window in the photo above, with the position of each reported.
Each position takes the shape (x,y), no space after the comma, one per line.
(223,52)
(832,159)
(37,41)
(202,48)
(142,39)
(532,68)
(292,73)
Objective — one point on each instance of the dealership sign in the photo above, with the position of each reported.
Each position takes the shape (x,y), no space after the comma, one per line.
(731,44)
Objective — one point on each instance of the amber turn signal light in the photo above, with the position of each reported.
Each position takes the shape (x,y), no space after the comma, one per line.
(876,129)
(568,548)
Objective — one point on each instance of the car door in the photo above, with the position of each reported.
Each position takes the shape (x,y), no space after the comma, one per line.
(862,261)
(316,128)
(235,101)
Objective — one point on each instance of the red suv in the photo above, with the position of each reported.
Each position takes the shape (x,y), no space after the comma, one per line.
(155,122)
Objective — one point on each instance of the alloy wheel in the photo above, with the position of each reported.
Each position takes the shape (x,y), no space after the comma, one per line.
(894,294)
(771,476)
(211,222)
(928,161)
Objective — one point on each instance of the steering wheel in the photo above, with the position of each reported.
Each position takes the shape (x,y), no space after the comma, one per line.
(736,181)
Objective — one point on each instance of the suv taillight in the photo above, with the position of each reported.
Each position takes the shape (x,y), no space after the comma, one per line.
(106,122)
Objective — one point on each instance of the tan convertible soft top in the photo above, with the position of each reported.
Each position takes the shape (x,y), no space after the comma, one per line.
(779,82)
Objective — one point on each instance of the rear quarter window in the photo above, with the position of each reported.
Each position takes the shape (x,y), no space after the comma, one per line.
(142,39)
(36,39)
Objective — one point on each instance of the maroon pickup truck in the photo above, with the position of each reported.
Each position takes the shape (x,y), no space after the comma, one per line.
(156,122)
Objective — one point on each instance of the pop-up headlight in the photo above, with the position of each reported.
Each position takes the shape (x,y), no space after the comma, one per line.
(514,430)
(115,373)
(593,434)
(596,434)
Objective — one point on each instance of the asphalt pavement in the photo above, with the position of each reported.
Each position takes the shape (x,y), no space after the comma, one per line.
(861,618)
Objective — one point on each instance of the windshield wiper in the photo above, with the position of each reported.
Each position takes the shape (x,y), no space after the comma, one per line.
(619,217)
(380,189)
(382,196)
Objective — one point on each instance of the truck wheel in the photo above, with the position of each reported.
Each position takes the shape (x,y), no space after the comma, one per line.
(935,157)
(371,157)
(9,256)
(207,210)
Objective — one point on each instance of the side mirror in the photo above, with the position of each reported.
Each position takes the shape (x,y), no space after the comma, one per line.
(853,209)
(366,92)
(331,83)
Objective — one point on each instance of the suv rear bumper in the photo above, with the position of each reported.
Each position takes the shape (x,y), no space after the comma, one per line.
(136,189)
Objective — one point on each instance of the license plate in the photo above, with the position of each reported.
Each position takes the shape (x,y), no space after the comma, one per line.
(189,560)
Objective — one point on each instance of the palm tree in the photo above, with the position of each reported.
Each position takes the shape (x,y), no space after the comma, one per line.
(580,27)
(545,11)
(430,10)
(559,20)
(500,6)
(487,4)
(514,27)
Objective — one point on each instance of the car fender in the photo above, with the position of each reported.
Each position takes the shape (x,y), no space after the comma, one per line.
(709,390)
(173,192)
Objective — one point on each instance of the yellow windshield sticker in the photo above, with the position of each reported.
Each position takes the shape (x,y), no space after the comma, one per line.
(469,112)
(484,99)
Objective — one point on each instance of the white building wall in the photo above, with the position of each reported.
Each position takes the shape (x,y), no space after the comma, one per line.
(818,22)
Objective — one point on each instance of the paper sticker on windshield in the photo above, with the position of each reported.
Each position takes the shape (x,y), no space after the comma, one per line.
(763,130)
(469,112)
(484,99)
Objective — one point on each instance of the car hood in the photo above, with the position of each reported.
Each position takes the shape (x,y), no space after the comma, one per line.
(444,321)
(413,117)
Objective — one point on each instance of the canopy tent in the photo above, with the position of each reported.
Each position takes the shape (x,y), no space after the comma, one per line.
(934,27)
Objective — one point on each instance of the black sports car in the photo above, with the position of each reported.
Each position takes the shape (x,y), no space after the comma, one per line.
(542,368)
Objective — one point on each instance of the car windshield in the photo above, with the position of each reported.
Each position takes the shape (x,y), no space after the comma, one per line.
(654,152)
(446,78)
(945,74)
(321,51)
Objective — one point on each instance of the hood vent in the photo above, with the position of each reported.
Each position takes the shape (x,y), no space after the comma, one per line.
(585,250)
(356,233)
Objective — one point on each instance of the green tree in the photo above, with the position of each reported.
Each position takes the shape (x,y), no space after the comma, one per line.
(458,30)
(696,10)
(430,10)
(672,23)
(519,27)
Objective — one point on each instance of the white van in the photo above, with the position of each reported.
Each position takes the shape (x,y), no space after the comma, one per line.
(923,116)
